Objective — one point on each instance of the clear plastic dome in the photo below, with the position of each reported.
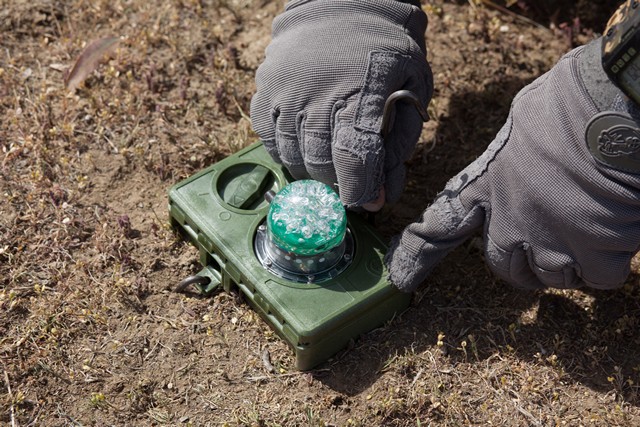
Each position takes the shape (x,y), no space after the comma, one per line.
(307,218)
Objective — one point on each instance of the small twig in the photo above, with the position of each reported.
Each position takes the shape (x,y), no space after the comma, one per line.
(242,113)
(34,420)
(115,149)
(417,377)
(69,417)
(211,404)
(169,321)
(528,415)
(13,411)
(50,370)
(270,377)
(152,350)
(512,14)
(131,135)
(184,367)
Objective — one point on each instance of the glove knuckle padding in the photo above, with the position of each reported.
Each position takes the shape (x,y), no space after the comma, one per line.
(359,152)
(328,70)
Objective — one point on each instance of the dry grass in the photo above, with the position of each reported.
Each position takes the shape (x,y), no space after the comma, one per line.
(91,332)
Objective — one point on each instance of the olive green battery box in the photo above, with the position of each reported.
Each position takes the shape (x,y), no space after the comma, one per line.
(220,209)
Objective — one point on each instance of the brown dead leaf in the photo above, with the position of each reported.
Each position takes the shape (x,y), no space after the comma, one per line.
(88,60)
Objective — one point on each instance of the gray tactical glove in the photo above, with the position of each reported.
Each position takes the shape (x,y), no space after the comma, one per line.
(555,211)
(321,91)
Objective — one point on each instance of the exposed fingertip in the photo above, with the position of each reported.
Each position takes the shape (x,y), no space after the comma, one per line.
(377,204)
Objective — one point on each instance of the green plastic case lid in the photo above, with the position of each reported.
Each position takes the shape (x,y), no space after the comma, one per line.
(307,218)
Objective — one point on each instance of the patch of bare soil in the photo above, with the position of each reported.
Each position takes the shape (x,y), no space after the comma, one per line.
(91,330)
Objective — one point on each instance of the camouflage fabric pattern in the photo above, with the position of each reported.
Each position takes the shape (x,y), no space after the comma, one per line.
(624,12)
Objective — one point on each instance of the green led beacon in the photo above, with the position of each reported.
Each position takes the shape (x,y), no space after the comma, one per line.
(305,238)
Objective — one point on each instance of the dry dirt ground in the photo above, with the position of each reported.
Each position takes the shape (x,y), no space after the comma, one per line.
(92,332)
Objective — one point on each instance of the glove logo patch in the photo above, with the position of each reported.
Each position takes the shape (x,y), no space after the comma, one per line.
(614,139)
(619,141)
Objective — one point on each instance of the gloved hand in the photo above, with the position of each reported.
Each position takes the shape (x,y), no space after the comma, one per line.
(321,91)
(554,212)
